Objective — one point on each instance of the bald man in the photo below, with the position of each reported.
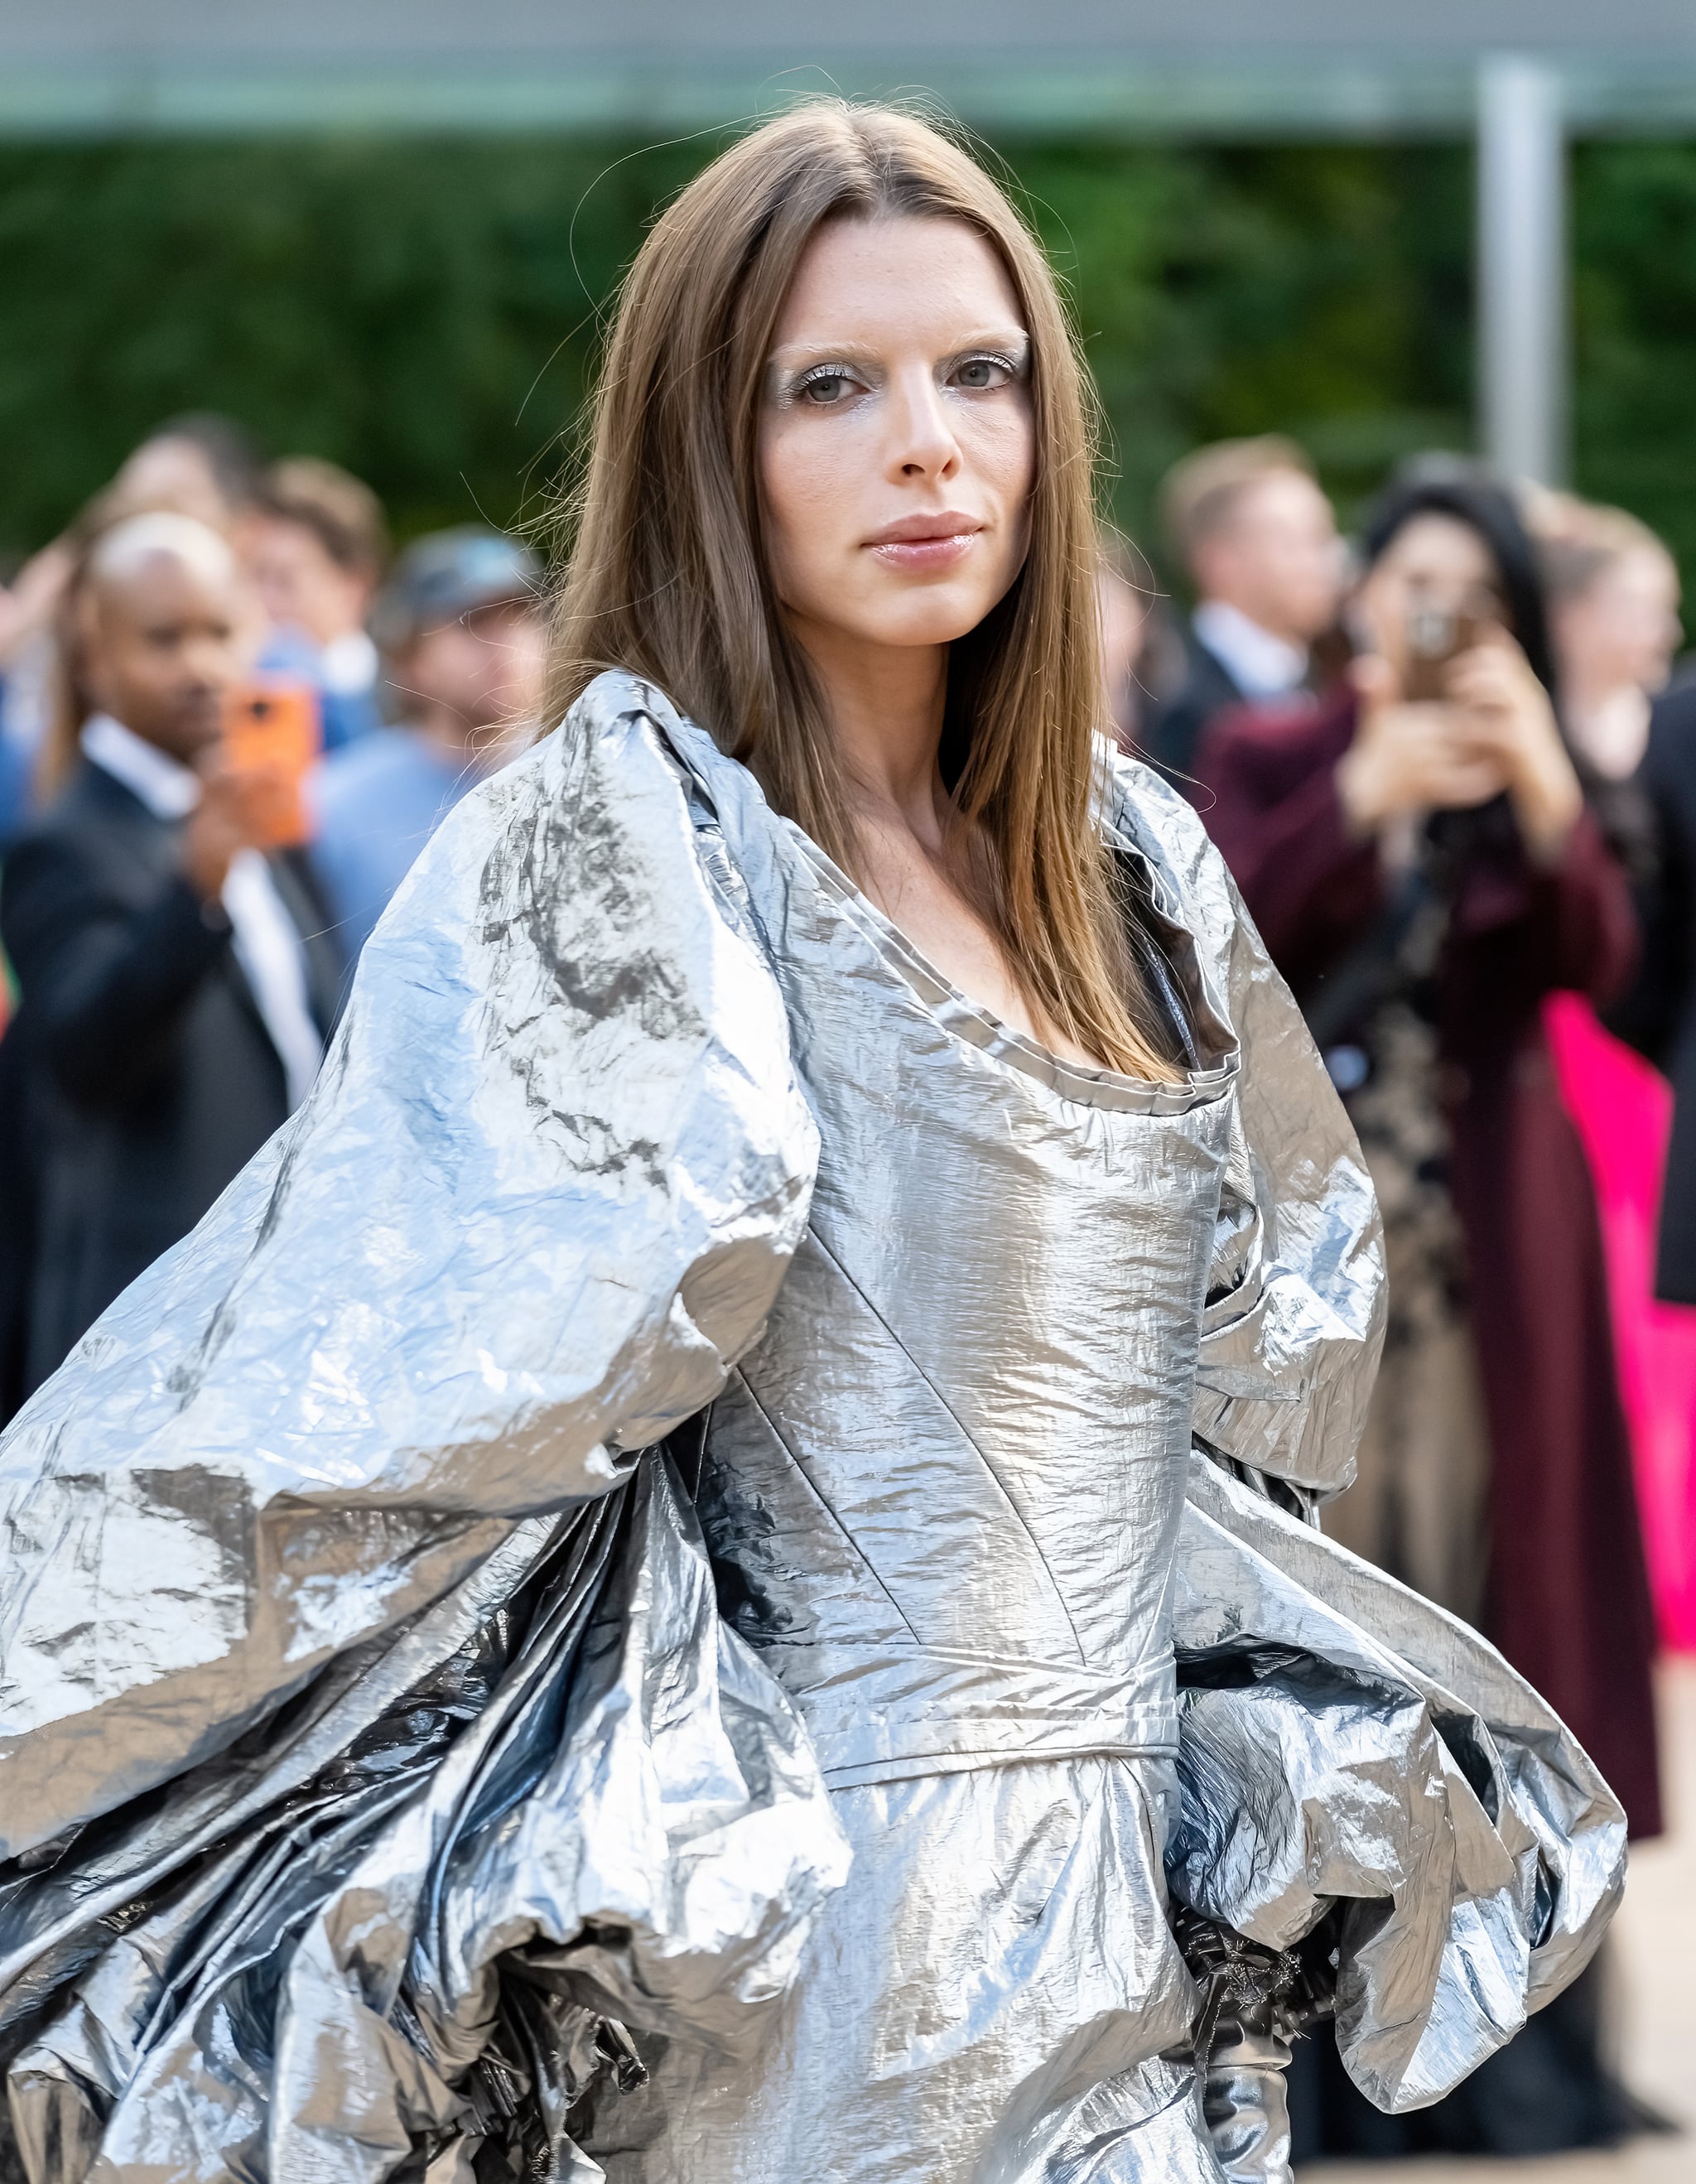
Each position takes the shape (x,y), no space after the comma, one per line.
(176,981)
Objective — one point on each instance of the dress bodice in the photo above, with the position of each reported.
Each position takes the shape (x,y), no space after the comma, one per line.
(942,1490)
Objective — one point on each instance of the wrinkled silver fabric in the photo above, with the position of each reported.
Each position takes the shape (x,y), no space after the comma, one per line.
(1247,2110)
(1440,1779)
(391,1771)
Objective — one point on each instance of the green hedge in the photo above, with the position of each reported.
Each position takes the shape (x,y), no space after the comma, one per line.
(425,311)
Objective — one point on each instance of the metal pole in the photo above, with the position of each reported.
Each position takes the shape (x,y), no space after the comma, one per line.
(1522,312)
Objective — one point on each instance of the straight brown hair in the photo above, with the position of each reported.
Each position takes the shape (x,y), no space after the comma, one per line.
(667,575)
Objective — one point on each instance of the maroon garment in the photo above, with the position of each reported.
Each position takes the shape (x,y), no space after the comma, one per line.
(1568,1599)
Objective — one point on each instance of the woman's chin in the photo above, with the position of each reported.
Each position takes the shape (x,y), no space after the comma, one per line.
(916,617)
(926,615)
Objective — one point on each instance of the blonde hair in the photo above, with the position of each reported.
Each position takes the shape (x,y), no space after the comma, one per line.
(1579,542)
(668,577)
(1199,493)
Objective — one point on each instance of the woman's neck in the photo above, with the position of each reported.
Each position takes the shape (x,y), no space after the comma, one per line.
(1609,727)
(886,705)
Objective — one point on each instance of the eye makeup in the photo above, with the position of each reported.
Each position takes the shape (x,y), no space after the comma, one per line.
(831,379)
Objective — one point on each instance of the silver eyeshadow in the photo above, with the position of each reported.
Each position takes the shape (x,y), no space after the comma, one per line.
(786,383)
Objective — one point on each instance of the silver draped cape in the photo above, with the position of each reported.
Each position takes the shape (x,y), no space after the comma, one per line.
(690,1411)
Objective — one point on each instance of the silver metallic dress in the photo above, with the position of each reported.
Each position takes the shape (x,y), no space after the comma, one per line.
(690,1573)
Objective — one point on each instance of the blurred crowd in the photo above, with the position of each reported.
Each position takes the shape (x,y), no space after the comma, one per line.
(1449,761)
(228,723)
(1453,769)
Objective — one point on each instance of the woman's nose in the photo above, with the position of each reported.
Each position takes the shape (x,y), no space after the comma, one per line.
(921,442)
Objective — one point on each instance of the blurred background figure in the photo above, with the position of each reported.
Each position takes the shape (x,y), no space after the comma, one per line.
(1246,523)
(1614,599)
(462,634)
(199,465)
(315,545)
(1659,1015)
(1418,853)
(175,985)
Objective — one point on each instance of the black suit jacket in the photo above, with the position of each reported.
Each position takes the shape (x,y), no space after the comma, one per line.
(1178,719)
(1659,1015)
(138,1067)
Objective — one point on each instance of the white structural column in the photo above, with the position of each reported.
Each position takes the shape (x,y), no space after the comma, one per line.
(1522,299)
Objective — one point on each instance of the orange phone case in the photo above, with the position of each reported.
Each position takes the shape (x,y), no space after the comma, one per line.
(277,725)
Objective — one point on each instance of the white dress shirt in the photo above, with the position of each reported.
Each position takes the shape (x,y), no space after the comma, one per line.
(262,933)
(1260,664)
(348,665)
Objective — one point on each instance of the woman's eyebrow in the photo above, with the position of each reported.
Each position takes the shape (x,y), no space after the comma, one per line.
(848,352)
(855,352)
(1011,337)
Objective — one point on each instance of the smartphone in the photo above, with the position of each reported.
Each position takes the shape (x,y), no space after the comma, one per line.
(277,725)
(1435,635)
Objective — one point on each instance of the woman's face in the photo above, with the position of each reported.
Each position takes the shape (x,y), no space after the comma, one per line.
(1623,631)
(896,448)
(1434,564)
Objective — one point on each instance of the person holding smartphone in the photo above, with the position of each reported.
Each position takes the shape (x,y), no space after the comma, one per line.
(176,977)
(1419,858)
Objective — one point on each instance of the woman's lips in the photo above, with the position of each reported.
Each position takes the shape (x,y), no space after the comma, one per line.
(918,552)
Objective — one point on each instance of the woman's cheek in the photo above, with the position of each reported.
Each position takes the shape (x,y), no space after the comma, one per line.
(1006,458)
(1008,469)
(810,491)
(784,492)
(805,570)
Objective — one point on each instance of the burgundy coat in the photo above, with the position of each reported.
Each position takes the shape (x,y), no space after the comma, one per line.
(1568,1599)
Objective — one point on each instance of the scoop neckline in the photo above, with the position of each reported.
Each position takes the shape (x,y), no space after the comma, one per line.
(978,1026)
(953,1010)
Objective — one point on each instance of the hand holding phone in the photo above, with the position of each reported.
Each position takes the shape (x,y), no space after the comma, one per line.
(272,736)
(1410,756)
(1437,637)
(231,815)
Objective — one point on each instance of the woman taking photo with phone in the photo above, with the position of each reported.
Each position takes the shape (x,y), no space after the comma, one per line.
(1419,857)
(747,1608)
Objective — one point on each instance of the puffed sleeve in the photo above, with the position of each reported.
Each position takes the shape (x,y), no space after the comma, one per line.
(1294,1318)
(1370,1797)
(541,1199)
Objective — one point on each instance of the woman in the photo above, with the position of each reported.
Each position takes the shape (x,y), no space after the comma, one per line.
(820,1086)
(1613,595)
(1419,858)
(1614,617)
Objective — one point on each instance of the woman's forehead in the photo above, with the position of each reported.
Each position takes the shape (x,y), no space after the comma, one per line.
(1436,537)
(860,279)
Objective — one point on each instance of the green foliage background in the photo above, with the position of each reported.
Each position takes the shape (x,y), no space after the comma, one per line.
(425,311)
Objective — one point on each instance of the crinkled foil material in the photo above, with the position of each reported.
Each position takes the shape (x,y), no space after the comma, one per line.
(690,1402)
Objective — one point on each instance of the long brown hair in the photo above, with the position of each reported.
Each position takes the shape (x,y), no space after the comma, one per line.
(667,576)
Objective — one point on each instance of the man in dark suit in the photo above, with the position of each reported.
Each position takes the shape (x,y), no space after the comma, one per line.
(1246,521)
(175,986)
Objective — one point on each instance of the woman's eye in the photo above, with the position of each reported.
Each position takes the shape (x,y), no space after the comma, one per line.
(978,374)
(823,389)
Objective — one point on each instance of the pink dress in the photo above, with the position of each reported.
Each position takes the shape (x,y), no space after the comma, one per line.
(1622,1109)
